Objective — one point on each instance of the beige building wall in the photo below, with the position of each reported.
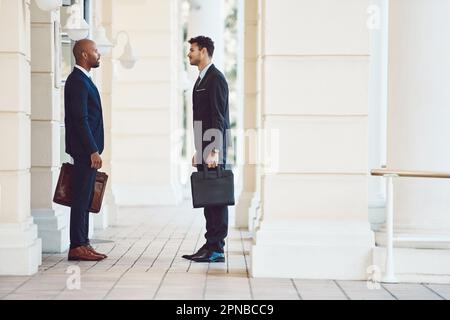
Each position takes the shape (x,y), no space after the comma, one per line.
(314,97)
(52,220)
(418,133)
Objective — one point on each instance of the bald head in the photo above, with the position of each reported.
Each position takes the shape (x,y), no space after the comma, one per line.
(86,54)
(80,47)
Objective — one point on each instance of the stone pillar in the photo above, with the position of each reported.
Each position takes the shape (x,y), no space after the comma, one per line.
(255,210)
(250,48)
(314,191)
(145,106)
(378,26)
(52,220)
(202,20)
(20,248)
(418,133)
(103,14)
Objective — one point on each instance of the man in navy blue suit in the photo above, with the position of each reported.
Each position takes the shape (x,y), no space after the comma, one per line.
(84,143)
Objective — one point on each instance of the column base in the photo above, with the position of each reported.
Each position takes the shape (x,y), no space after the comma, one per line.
(313,249)
(429,239)
(416,265)
(242,210)
(131,196)
(101,218)
(377,213)
(91,226)
(53,229)
(20,249)
(111,208)
(254,213)
(108,215)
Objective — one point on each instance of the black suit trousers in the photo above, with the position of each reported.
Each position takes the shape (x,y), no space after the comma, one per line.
(216,225)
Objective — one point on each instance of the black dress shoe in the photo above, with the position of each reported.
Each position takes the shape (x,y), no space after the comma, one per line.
(201,251)
(211,257)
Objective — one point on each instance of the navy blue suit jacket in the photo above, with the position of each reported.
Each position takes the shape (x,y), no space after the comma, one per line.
(83,116)
(211,108)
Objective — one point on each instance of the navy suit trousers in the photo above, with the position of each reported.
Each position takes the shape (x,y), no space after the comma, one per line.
(83,183)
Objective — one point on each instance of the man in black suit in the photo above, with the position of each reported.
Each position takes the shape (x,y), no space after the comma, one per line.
(211,128)
(84,143)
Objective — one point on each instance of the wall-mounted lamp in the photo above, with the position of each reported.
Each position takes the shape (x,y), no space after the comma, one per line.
(49,5)
(76,27)
(104,46)
(127,59)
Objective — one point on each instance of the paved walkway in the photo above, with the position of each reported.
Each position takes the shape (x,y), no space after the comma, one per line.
(145,250)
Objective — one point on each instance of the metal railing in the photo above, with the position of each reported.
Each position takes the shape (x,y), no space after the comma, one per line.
(389,275)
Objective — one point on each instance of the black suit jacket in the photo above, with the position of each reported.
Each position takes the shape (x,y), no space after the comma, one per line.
(83,116)
(211,109)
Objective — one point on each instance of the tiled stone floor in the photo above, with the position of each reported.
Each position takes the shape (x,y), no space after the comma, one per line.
(145,250)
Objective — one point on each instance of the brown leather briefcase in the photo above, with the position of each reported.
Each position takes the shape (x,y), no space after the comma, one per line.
(63,192)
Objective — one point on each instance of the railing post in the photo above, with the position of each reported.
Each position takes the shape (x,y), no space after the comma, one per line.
(389,276)
(389,174)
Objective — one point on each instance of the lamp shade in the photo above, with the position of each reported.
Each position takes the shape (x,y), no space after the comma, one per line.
(76,27)
(48,5)
(103,44)
(127,59)
(77,32)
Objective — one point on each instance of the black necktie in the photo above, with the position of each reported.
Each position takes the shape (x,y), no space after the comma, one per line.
(197,82)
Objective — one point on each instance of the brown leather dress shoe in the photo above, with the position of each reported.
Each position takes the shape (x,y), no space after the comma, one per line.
(95,252)
(83,254)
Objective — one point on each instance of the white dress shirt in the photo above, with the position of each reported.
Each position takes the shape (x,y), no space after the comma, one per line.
(84,71)
(204,71)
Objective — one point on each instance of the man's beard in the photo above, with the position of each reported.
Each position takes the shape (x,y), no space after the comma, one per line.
(96,65)
(194,62)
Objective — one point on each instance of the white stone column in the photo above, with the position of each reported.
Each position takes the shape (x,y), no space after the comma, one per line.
(378,26)
(52,220)
(418,135)
(250,50)
(103,14)
(20,249)
(207,18)
(314,193)
(145,143)
(202,20)
(255,210)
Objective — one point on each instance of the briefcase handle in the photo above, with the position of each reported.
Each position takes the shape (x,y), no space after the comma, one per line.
(218,169)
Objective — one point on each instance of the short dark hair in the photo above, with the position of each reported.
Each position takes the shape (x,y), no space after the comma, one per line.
(204,42)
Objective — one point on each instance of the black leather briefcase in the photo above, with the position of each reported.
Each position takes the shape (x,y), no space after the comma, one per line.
(212,188)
